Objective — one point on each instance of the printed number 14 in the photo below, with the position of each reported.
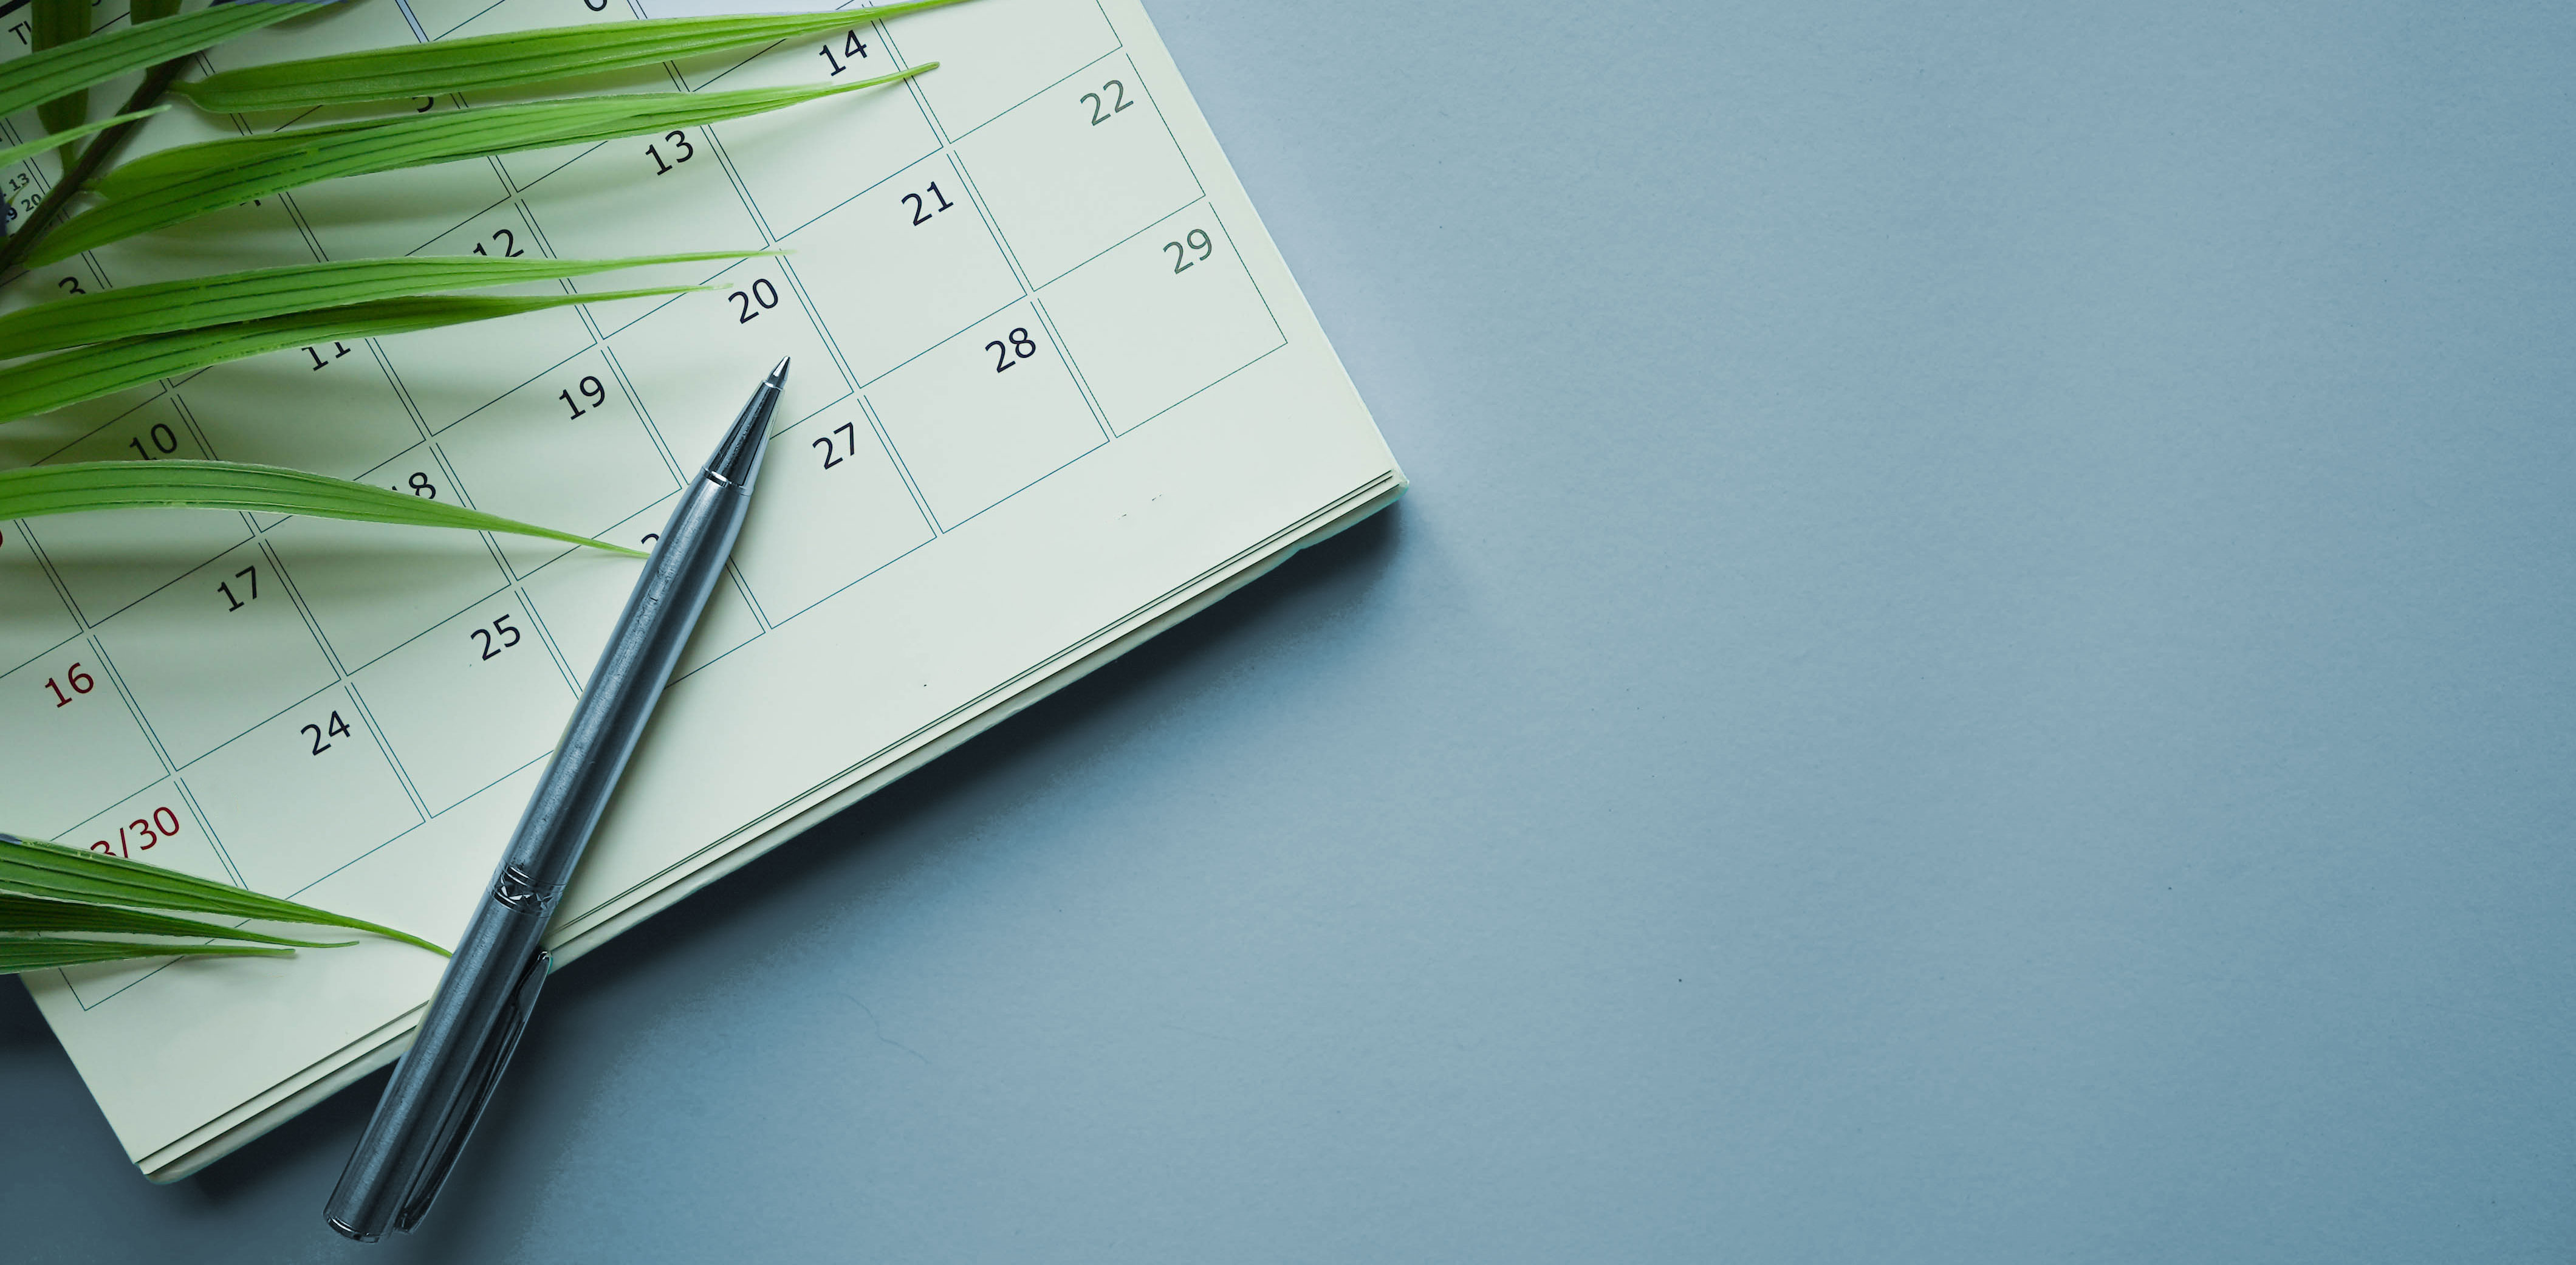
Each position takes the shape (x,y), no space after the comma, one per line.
(850,48)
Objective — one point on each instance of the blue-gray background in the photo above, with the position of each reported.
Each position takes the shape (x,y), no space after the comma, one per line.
(1978,669)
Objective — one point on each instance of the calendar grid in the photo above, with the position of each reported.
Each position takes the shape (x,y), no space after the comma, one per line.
(212,839)
(934,258)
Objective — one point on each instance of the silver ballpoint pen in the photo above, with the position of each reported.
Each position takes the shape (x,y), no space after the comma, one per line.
(474,1020)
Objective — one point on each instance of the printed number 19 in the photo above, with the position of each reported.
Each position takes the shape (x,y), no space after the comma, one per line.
(591,390)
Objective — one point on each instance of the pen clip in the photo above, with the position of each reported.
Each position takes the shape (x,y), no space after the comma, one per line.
(486,1073)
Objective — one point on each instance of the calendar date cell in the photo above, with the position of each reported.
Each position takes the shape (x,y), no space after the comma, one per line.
(302,795)
(74,744)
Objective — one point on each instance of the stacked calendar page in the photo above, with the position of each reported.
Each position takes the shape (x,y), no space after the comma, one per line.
(1053,390)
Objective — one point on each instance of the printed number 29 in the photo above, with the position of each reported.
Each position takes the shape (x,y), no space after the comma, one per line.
(1198,241)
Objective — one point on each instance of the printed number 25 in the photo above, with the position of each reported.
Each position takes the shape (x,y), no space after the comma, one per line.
(492,648)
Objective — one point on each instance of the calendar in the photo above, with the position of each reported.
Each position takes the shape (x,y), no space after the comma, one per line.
(1053,389)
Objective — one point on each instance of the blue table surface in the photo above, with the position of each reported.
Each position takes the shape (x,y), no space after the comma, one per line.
(1978,669)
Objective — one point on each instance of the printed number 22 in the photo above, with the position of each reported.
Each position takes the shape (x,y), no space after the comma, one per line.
(1104,106)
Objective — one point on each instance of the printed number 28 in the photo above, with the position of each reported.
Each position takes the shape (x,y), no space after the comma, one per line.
(1019,348)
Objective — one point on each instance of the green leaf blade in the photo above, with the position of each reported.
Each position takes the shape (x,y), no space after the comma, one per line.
(21,954)
(84,373)
(42,76)
(81,487)
(53,24)
(182,183)
(512,60)
(28,914)
(228,298)
(20,153)
(51,871)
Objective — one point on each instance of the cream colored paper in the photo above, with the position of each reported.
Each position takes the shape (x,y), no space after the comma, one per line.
(1053,390)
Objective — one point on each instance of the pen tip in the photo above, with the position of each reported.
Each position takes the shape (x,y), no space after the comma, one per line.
(779,374)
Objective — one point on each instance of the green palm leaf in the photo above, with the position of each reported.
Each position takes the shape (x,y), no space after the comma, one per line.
(52,24)
(231,297)
(179,184)
(26,913)
(68,377)
(76,487)
(18,153)
(45,75)
(20,954)
(55,872)
(507,61)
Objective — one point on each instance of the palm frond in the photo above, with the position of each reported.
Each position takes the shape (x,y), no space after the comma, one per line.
(68,377)
(196,302)
(21,954)
(178,184)
(26,914)
(53,24)
(55,872)
(54,71)
(507,61)
(79,487)
(20,153)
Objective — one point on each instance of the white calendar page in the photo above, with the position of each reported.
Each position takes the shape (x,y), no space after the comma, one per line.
(1053,389)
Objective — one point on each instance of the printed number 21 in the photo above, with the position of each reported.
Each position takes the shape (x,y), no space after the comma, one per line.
(921,208)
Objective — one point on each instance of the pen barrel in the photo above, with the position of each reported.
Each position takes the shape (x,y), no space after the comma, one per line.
(474,1019)
(601,736)
(441,1083)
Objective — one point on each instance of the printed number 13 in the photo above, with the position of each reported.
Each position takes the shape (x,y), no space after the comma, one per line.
(687,151)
